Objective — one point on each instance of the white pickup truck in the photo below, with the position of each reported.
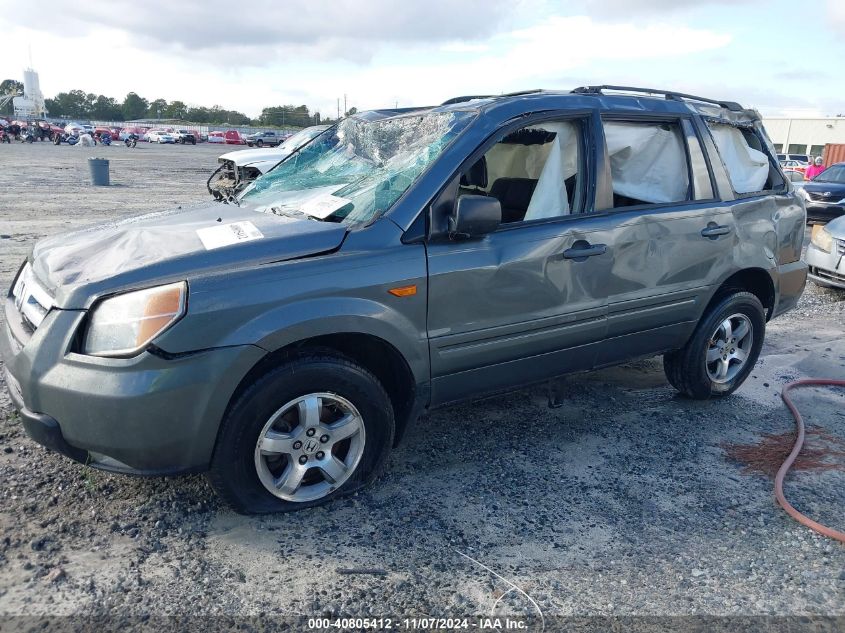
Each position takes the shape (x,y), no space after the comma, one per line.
(238,169)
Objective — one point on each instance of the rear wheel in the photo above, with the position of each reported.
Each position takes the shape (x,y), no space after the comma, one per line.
(316,428)
(260,143)
(722,351)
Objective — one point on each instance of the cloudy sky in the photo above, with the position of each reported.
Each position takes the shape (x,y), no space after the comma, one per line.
(780,56)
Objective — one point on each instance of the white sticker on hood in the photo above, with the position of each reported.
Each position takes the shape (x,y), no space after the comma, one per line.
(323,206)
(227,234)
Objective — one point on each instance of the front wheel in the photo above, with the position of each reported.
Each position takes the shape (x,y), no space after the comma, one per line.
(722,350)
(316,428)
(260,143)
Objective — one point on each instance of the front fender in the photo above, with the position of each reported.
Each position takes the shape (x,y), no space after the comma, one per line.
(296,322)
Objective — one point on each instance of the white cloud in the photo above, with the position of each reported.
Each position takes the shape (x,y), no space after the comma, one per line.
(410,73)
(836,13)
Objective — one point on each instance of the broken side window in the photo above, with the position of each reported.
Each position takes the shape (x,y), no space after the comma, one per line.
(532,171)
(648,163)
(742,154)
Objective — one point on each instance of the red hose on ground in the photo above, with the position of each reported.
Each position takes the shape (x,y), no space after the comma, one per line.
(796,449)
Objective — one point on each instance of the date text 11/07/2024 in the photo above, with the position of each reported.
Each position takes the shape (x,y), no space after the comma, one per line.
(421,624)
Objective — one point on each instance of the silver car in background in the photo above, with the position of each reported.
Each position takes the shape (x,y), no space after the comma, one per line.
(826,254)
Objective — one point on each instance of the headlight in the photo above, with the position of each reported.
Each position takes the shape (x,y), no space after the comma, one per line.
(124,324)
(821,238)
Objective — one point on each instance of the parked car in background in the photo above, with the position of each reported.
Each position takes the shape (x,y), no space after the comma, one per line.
(185,137)
(238,169)
(826,254)
(260,139)
(216,137)
(160,136)
(824,195)
(127,131)
(233,137)
(802,158)
(794,165)
(74,128)
(100,131)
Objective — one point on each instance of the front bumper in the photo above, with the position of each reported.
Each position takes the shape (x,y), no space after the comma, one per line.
(823,211)
(826,269)
(145,415)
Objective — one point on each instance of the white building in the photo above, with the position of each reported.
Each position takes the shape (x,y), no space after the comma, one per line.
(804,136)
(31,104)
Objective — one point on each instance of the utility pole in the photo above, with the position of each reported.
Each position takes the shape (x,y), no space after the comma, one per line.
(345,110)
(338,108)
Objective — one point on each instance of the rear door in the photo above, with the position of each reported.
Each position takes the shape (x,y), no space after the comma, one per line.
(673,239)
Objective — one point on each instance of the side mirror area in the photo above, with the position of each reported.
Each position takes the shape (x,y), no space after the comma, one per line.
(474,216)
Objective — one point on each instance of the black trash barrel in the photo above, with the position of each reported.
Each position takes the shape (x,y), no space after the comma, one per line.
(99,171)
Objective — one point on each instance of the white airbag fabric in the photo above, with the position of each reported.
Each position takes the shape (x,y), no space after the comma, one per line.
(747,167)
(647,162)
(550,199)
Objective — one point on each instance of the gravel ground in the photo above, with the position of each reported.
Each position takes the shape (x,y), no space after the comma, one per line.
(621,502)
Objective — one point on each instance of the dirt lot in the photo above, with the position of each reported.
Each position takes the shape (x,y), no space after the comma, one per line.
(622,501)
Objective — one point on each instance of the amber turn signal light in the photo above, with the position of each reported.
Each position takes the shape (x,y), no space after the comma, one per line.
(403,291)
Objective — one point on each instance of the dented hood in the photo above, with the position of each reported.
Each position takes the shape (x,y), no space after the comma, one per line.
(173,245)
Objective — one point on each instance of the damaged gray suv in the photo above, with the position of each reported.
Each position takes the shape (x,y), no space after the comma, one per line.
(405,260)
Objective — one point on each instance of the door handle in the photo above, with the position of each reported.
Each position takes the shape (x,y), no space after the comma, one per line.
(713,230)
(581,250)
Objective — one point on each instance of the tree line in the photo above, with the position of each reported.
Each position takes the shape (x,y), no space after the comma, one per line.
(78,104)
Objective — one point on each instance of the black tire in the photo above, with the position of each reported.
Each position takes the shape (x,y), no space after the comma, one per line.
(233,473)
(259,143)
(686,369)
(193,141)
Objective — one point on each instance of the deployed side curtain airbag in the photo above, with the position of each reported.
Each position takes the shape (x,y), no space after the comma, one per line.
(647,162)
(747,167)
(550,199)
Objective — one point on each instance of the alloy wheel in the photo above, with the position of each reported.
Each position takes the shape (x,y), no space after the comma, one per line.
(729,348)
(310,447)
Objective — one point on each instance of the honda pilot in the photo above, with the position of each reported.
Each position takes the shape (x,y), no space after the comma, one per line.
(284,340)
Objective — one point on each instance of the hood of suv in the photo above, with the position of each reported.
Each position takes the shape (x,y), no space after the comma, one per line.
(166,246)
(248,156)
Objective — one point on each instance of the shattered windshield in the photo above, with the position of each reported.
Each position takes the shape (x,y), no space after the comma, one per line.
(356,171)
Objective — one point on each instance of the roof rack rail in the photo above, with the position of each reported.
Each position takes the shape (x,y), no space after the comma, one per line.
(506,94)
(454,100)
(730,105)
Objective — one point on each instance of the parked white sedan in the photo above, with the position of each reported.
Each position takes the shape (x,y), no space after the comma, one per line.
(160,136)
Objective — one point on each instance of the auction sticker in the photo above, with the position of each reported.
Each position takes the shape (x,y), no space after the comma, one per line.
(323,206)
(228,234)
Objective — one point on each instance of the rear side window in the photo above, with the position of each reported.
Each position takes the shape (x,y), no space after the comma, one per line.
(743,154)
(648,163)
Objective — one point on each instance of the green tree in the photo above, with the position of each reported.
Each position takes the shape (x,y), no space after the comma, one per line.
(10,87)
(176,110)
(74,104)
(281,116)
(106,109)
(198,114)
(157,109)
(134,107)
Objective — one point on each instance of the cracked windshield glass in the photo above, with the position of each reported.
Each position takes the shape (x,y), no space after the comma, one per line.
(356,171)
